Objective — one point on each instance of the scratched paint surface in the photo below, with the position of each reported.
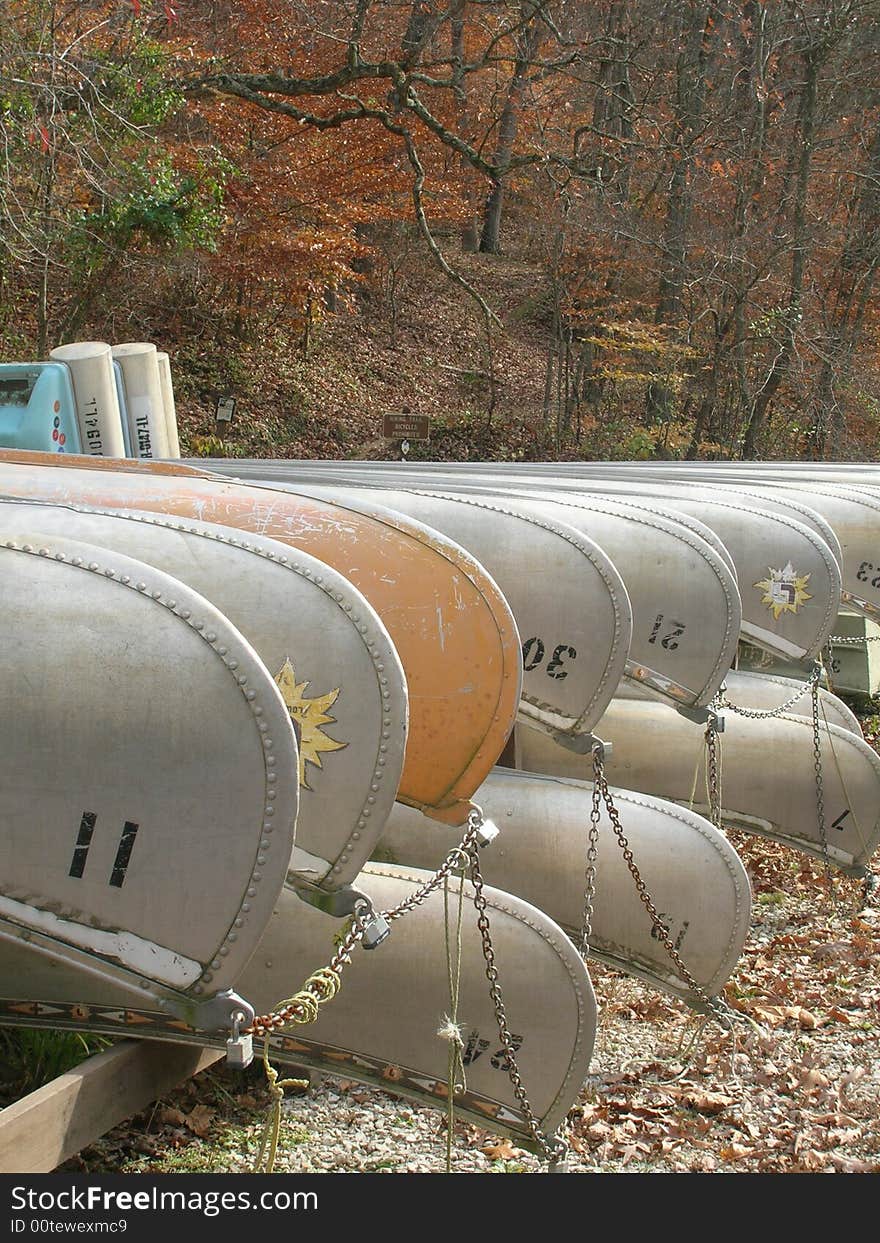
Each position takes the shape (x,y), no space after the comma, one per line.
(452,627)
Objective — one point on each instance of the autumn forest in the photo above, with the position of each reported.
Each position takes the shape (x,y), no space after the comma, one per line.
(597,228)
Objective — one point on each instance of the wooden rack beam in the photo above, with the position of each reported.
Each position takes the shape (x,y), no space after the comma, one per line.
(46,1127)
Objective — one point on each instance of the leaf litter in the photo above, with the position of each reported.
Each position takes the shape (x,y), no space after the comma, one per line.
(794,1088)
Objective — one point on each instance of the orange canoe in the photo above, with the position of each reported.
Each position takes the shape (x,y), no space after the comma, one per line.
(452,627)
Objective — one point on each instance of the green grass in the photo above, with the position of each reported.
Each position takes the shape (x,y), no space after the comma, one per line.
(31,1057)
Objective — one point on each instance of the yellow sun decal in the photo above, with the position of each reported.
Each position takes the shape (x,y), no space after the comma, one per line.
(308,716)
(784,591)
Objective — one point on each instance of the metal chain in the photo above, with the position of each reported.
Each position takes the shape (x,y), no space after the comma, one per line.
(713,770)
(323,984)
(851,639)
(715,1005)
(757,714)
(555,1149)
(320,986)
(590,870)
(820,785)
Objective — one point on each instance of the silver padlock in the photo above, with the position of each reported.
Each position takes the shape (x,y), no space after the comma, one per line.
(239,1046)
(487,833)
(375,932)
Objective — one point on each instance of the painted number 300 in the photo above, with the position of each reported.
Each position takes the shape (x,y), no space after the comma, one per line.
(534,652)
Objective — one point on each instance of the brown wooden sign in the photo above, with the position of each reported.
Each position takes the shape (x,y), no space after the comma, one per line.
(406,427)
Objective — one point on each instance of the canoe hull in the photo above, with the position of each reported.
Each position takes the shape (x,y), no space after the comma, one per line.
(367,1032)
(692,872)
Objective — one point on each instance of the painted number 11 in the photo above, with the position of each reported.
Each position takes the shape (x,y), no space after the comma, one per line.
(84,841)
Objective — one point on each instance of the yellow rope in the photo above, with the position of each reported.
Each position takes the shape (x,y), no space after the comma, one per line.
(321,986)
(450,1030)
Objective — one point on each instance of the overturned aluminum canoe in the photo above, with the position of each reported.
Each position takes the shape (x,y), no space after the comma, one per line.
(853,515)
(768,692)
(324,645)
(789,578)
(571,607)
(381,1028)
(769,778)
(693,874)
(650,549)
(450,624)
(685,602)
(149,781)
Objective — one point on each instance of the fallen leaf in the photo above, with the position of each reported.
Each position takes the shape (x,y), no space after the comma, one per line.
(735,1152)
(199,1120)
(170,1116)
(709,1102)
(813,1079)
(811,1160)
(851,1165)
(852,1076)
(501,1150)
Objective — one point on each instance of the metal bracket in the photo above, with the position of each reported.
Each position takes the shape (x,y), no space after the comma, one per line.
(217,1013)
(336,902)
(581,744)
(700,716)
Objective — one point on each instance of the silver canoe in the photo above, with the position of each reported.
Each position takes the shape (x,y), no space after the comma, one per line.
(451,626)
(148,770)
(768,692)
(853,515)
(381,1028)
(693,874)
(769,778)
(789,578)
(570,604)
(420,474)
(337,669)
(618,479)
(685,602)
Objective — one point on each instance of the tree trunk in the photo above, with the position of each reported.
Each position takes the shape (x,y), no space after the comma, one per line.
(528,41)
(688,107)
(781,363)
(855,279)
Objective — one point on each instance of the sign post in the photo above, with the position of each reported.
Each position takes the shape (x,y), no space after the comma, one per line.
(223,413)
(406,427)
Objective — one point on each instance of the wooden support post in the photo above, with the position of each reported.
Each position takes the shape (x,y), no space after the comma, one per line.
(47,1126)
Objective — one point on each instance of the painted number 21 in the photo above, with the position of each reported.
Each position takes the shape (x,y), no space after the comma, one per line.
(670,640)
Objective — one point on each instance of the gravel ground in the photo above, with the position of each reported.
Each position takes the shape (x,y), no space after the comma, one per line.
(794,1088)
